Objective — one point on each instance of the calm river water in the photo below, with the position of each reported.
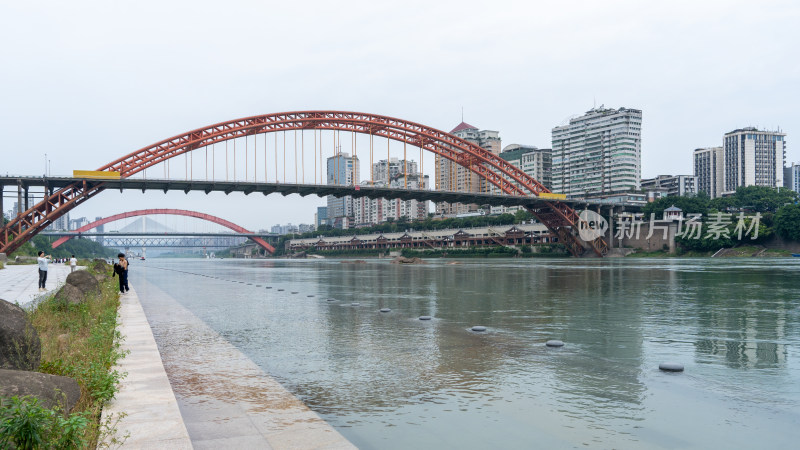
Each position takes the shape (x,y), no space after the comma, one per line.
(389,380)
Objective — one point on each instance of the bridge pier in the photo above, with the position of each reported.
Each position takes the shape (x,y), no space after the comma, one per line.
(19,197)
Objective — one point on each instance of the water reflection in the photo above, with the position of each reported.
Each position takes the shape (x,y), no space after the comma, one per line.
(378,374)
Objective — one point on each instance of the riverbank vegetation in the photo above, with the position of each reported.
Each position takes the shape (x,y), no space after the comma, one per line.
(81,248)
(778,209)
(79,341)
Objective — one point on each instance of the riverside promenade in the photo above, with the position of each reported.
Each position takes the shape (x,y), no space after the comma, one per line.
(20,283)
(220,400)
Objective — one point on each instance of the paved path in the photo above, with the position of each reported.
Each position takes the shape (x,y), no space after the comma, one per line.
(226,400)
(21,283)
(151,416)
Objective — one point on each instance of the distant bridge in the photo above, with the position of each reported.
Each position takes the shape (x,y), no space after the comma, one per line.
(176,212)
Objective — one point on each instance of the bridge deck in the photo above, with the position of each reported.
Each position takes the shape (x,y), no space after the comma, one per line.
(249,187)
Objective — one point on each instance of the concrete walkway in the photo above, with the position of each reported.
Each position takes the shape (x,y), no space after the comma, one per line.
(145,404)
(21,283)
(226,400)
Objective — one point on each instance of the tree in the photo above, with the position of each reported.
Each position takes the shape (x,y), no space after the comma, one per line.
(690,205)
(787,222)
(523,215)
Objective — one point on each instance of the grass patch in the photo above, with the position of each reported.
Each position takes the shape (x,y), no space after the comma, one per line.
(81,342)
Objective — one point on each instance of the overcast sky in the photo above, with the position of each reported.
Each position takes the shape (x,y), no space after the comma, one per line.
(88,81)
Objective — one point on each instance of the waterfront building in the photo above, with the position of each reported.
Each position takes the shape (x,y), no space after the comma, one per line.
(321,216)
(386,171)
(62,224)
(98,229)
(598,153)
(791,177)
(535,162)
(450,176)
(682,185)
(370,211)
(342,169)
(753,157)
(709,164)
(74,224)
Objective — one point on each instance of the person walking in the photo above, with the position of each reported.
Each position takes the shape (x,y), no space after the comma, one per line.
(73,263)
(42,259)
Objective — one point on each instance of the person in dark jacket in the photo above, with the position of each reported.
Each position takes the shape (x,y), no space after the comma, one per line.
(121,269)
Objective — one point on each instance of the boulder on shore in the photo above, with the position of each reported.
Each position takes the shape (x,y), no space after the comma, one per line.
(84,281)
(20,347)
(99,266)
(70,295)
(404,260)
(53,391)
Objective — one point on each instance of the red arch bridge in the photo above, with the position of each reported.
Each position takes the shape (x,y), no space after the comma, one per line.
(160,239)
(512,184)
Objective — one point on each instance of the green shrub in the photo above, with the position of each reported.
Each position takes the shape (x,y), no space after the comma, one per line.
(26,424)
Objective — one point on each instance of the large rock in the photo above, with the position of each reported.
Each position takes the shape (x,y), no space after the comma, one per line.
(84,281)
(404,260)
(20,347)
(70,295)
(52,391)
(99,266)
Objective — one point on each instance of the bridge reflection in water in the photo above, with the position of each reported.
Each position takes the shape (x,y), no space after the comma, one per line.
(392,381)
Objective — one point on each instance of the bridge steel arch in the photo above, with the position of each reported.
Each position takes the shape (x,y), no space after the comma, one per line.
(559,217)
(173,212)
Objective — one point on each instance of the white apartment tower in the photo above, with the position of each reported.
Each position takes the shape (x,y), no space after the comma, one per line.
(753,157)
(791,177)
(370,211)
(453,177)
(342,169)
(598,153)
(709,165)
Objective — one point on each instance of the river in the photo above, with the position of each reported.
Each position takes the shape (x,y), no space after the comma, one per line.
(390,380)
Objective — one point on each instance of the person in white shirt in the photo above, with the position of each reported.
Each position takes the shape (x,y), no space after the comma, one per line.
(42,260)
(73,263)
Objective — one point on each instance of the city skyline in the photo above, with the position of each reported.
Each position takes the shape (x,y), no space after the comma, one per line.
(108,99)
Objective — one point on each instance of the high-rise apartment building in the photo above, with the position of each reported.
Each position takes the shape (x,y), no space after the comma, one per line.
(682,185)
(535,162)
(791,177)
(453,177)
(342,169)
(598,153)
(370,211)
(709,165)
(753,157)
(397,174)
(385,172)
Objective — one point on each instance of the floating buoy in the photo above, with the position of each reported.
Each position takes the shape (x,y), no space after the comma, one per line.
(671,367)
(354,304)
(424,317)
(385,310)
(478,328)
(554,343)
